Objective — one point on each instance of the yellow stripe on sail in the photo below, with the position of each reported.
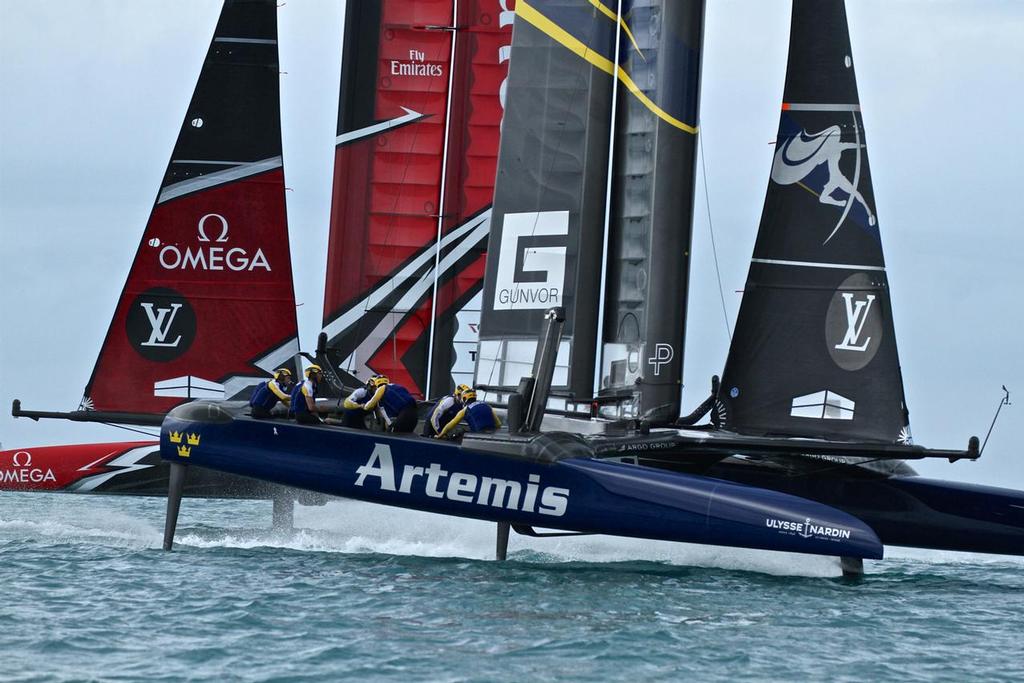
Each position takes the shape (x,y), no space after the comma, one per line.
(563,37)
(647,102)
(603,9)
(530,14)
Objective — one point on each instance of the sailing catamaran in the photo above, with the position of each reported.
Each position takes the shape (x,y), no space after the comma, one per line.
(208,309)
(583,313)
(583,306)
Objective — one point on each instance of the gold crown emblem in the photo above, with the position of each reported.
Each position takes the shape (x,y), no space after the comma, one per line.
(175,437)
(193,439)
(184,451)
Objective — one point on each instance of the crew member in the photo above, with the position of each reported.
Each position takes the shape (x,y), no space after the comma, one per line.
(479,415)
(444,410)
(353,414)
(397,406)
(303,403)
(267,394)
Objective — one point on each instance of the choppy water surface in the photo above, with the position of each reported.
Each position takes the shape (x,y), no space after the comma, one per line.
(366,592)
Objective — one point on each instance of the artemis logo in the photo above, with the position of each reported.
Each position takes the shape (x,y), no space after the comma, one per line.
(853,324)
(531,260)
(22,472)
(416,66)
(461,487)
(161,324)
(212,228)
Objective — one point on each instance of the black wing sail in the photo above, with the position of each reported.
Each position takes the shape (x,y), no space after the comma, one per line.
(547,225)
(652,206)
(814,352)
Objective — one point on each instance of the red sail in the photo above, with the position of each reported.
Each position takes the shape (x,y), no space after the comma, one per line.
(209,307)
(414,177)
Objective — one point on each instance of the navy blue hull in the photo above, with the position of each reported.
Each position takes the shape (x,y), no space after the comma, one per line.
(572,493)
(903,510)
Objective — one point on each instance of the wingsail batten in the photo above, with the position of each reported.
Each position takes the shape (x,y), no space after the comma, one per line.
(814,352)
(419,115)
(209,298)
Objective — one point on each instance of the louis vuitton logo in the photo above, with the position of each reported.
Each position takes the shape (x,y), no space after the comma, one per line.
(160,320)
(856,315)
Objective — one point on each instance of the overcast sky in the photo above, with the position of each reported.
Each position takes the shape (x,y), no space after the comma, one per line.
(92,95)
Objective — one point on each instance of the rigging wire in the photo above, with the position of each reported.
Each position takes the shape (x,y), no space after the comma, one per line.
(129,429)
(711,230)
(1004,401)
(441,206)
(606,227)
(836,466)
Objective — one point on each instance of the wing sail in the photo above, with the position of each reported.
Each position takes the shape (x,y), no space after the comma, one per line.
(814,352)
(547,230)
(209,307)
(418,126)
(651,219)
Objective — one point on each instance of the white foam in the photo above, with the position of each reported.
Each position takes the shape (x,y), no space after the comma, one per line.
(948,557)
(106,526)
(373,528)
(352,527)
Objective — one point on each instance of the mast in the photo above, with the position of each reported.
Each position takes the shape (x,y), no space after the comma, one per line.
(440,214)
(814,352)
(208,309)
(652,209)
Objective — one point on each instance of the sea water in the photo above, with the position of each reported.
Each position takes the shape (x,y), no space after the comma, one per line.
(365,592)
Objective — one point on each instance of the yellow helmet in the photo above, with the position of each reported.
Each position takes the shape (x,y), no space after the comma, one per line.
(282,372)
(468,395)
(379,380)
(313,368)
(462,389)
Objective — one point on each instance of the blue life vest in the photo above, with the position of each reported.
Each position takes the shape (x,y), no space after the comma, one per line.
(449,415)
(298,398)
(480,417)
(396,398)
(261,398)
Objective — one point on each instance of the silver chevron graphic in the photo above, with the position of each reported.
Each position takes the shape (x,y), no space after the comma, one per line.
(458,243)
(410,116)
